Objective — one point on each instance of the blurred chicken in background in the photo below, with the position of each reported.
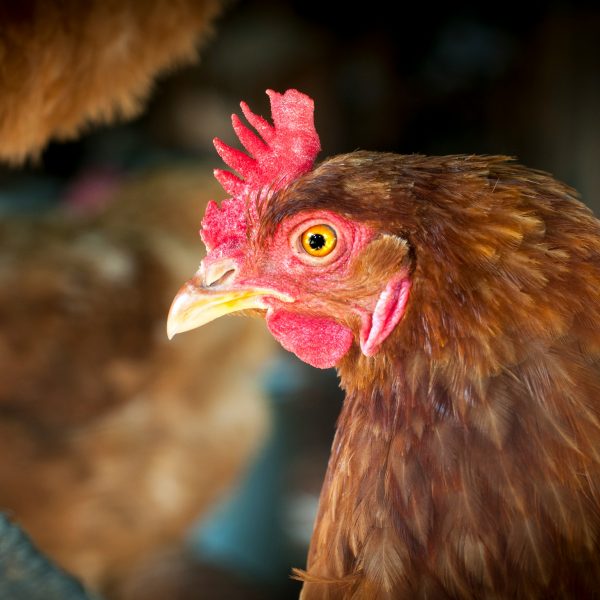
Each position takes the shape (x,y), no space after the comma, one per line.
(65,64)
(114,441)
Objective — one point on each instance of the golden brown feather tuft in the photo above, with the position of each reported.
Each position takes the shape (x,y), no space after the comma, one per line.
(67,64)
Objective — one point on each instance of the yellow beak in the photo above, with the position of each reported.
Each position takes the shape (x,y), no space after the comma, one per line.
(196,304)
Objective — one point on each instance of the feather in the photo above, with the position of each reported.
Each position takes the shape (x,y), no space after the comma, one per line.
(381,565)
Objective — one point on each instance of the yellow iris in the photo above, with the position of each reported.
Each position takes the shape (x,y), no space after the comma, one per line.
(319,240)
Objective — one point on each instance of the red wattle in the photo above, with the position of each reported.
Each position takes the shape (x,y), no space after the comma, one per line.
(318,341)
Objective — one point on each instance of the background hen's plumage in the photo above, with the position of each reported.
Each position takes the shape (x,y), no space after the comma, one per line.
(114,441)
(65,65)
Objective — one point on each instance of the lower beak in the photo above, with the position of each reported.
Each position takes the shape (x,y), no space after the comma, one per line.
(195,304)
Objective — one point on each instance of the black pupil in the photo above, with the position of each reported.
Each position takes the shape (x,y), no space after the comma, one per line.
(316,241)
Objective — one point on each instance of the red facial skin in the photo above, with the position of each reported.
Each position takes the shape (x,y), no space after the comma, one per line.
(315,325)
(318,320)
(309,328)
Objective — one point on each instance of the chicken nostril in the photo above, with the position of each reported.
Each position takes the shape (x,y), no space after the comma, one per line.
(222,279)
(216,273)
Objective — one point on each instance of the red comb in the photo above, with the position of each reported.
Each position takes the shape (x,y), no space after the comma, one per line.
(287,149)
(283,152)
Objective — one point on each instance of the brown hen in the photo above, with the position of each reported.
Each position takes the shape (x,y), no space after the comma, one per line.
(459,299)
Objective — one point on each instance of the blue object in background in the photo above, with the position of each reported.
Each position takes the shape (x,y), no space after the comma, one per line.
(25,574)
(246,534)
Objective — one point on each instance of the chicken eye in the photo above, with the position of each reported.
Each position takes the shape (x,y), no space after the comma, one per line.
(319,240)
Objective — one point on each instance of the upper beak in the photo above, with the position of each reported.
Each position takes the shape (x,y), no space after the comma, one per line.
(212,293)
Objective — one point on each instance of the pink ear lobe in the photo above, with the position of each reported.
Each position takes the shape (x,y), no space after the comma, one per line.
(388,311)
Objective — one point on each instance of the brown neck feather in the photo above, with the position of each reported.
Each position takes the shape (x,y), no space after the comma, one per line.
(466,460)
(419,477)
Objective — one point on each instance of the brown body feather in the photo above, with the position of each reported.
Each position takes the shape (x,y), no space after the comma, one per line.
(467,461)
(66,64)
(113,441)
